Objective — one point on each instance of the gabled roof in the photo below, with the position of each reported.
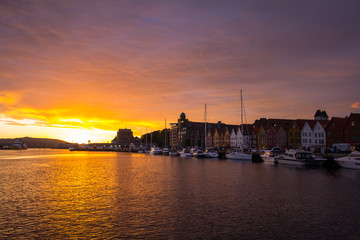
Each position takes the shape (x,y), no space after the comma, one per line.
(255,130)
(352,116)
(300,123)
(336,123)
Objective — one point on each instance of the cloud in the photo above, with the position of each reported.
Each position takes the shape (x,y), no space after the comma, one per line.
(356,105)
(114,63)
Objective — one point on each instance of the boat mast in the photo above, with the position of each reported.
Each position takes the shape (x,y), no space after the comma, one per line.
(242,120)
(151,140)
(146,146)
(205,126)
(242,126)
(165,132)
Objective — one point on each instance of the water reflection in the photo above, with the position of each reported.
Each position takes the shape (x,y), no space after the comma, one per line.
(58,194)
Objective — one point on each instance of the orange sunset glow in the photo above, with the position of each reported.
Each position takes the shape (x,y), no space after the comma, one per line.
(80,70)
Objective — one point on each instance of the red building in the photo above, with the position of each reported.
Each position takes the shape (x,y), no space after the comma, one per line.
(335,131)
(271,137)
(352,130)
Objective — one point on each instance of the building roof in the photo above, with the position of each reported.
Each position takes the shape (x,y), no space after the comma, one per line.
(337,123)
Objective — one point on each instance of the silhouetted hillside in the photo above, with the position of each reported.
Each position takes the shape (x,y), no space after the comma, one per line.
(35,142)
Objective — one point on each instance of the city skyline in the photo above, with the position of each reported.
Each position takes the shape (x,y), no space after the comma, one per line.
(81,70)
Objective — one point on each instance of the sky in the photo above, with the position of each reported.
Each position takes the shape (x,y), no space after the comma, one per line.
(80,70)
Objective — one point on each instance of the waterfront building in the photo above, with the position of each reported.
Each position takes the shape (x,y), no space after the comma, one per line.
(352,130)
(321,116)
(319,133)
(281,136)
(227,137)
(271,137)
(307,135)
(216,138)
(209,138)
(124,137)
(186,133)
(335,131)
(262,138)
(294,133)
(233,138)
(254,137)
(239,138)
(244,139)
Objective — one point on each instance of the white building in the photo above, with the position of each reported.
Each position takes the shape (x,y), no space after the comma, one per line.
(239,138)
(233,138)
(319,133)
(313,136)
(306,136)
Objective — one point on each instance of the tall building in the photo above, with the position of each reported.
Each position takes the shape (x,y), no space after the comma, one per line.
(187,133)
(124,137)
(321,116)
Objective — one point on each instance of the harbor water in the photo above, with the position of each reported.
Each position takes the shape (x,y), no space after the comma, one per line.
(58,194)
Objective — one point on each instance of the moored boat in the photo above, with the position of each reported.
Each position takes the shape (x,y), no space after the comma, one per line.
(199,154)
(269,155)
(18,145)
(351,161)
(299,158)
(165,151)
(239,155)
(155,151)
(210,153)
(185,153)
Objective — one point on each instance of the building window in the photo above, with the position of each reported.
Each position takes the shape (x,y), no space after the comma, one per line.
(352,123)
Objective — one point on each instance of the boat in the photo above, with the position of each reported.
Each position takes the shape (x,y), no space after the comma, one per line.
(185,153)
(18,145)
(299,158)
(210,153)
(165,151)
(199,154)
(174,153)
(317,161)
(269,155)
(351,161)
(239,155)
(155,151)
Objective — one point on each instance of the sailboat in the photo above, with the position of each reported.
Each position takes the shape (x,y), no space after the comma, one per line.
(239,154)
(165,149)
(209,153)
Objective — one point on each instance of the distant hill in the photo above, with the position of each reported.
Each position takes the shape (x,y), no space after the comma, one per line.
(35,142)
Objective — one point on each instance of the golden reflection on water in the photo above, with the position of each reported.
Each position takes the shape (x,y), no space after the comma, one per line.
(80,192)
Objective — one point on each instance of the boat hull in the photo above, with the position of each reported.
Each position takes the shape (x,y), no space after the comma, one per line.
(240,156)
(295,162)
(348,164)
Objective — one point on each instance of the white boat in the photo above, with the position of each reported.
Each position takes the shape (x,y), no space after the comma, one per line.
(155,151)
(199,154)
(174,153)
(351,161)
(209,153)
(185,153)
(18,145)
(269,155)
(239,155)
(296,157)
(165,151)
